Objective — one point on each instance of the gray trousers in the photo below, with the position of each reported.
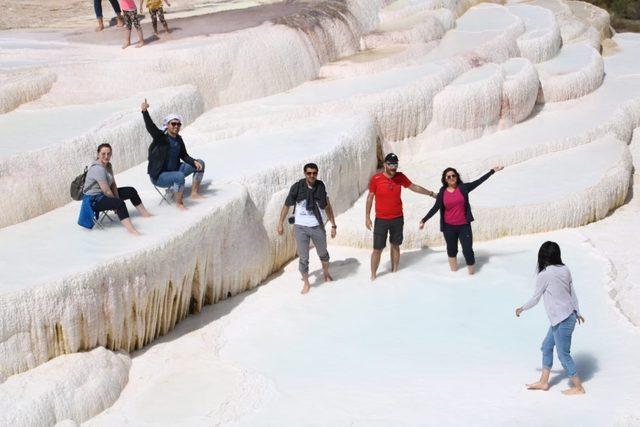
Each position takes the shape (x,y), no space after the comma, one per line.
(303,237)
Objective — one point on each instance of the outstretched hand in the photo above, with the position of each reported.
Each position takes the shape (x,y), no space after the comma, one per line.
(580,320)
(519,311)
(421,225)
(145,105)
(497,168)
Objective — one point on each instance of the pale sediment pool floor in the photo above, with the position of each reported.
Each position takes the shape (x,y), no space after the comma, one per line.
(423,346)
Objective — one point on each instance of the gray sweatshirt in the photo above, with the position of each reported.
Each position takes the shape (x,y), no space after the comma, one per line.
(555,285)
(97,172)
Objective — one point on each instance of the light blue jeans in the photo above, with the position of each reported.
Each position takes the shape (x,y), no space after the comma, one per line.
(560,336)
(175,179)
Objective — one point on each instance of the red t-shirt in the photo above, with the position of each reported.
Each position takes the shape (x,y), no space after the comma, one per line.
(387,191)
(454,212)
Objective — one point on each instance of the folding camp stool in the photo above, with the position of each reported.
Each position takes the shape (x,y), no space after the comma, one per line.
(166,197)
(101,216)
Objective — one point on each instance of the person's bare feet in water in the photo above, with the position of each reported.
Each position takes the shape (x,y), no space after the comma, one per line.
(181,206)
(140,44)
(305,287)
(328,278)
(197,196)
(126,44)
(538,386)
(573,391)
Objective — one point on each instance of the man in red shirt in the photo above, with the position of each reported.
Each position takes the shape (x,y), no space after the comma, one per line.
(385,188)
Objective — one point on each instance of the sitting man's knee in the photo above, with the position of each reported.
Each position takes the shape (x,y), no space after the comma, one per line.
(202,163)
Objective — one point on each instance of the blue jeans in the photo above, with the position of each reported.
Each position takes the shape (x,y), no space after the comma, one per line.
(560,336)
(175,179)
(97,7)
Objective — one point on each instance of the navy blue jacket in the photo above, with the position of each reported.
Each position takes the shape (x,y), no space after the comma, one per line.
(465,189)
(159,148)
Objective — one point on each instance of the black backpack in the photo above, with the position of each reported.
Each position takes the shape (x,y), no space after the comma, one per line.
(77,185)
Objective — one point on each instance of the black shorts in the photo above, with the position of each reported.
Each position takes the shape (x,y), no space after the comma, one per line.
(383,226)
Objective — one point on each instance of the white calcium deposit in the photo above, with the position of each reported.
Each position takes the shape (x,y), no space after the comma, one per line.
(340,83)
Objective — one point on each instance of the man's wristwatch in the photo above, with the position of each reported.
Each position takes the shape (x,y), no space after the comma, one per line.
(334,226)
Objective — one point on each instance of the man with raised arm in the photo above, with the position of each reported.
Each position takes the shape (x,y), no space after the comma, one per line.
(169,162)
(385,187)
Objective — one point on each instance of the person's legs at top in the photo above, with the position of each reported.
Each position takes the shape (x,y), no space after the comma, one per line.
(450,234)
(136,23)
(302,245)
(162,20)
(130,193)
(129,24)
(97,9)
(396,237)
(380,230)
(562,334)
(175,180)
(116,204)
(547,362)
(154,20)
(466,241)
(319,239)
(118,11)
(187,170)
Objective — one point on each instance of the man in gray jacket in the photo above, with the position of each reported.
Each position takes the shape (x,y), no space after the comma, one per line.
(311,207)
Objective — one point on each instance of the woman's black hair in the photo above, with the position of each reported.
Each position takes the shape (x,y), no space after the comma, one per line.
(549,254)
(445,172)
(104,145)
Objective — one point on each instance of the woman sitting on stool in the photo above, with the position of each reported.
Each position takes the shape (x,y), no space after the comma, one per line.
(100,185)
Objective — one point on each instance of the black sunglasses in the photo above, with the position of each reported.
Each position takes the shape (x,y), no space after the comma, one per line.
(175,124)
(311,173)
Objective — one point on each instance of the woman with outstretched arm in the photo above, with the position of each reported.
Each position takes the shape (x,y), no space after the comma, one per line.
(455,215)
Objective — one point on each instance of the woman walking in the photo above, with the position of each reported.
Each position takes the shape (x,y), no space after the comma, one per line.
(554,284)
(100,186)
(455,215)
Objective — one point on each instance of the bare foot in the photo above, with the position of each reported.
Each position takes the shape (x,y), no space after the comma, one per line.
(146,215)
(538,386)
(155,32)
(197,196)
(471,269)
(100,27)
(181,206)
(305,288)
(140,44)
(328,278)
(167,30)
(119,21)
(373,277)
(126,45)
(573,391)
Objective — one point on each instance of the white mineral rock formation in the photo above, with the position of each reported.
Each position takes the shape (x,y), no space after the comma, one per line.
(440,82)
(135,289)
(69,389)
(575,72)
